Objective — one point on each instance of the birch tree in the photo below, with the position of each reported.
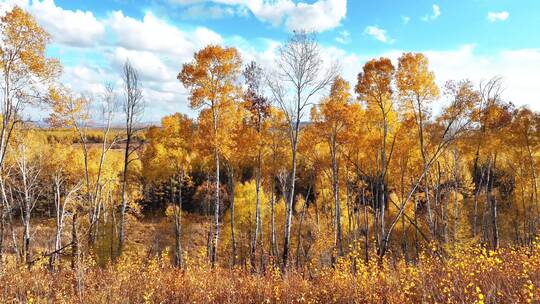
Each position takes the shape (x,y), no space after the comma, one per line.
(211,79)
(24,71)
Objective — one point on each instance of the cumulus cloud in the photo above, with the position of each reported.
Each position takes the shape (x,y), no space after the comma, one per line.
(498,16)
(436,12)
(212,12)
(517,67)
(148,64)
(149,34)
(74,28)
(318,16)
(378,33)
(158,48)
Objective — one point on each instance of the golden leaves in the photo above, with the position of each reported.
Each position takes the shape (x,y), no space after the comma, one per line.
(23,47)
(211,76)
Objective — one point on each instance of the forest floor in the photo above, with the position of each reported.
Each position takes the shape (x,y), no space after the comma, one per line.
(463,274)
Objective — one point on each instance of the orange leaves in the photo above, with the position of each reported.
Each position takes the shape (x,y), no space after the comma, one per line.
(415,81)
(375,82)
(211,76)
(212,81)
(335,117)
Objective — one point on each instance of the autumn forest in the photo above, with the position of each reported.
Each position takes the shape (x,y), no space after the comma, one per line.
(288,185)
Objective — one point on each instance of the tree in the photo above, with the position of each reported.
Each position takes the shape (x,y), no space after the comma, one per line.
(455,121)
(331,118)
(25,70)
(66,188)
(301,75)
(259,109)
(211,80)
(26,184)
(133,109)
(374,87)
(275,162)
(69,110)
(167,159)
(417,89)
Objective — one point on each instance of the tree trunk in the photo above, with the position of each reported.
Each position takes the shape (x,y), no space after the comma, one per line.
(230,183)
(338,235)
(74,242)
(493,203)
(476,197)
(2,228)
(26,235)
(366,228)
(286,239)
(178,224)
(257,211)
(122,233)
(299,236)
(59,223)
(273,243)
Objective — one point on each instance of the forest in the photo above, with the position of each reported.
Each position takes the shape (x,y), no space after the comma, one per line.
(290,185)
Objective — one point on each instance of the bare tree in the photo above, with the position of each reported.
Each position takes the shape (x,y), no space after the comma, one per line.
(300,76)
(108,110)
(133,109)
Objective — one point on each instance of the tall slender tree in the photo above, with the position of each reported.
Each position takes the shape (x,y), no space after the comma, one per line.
(133,109)
(417,89)
(211,79)
(300,75)
(332,117)
(259,109)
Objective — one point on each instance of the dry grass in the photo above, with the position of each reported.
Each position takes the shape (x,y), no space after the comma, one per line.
(465,275)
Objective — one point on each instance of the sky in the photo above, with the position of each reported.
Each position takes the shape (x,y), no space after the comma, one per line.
(473,39)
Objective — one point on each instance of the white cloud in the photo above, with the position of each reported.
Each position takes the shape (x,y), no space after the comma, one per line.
(344,37)
(73,28)
(517,67)
(318,16)
(84,78)
(203,37)
(150,34)
(158,48)
(166,95)
(498,16)
(378,33)
(156,35)
(212,12)
(436,12)
(148,64)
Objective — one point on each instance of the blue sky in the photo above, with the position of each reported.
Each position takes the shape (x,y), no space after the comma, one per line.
(475,39)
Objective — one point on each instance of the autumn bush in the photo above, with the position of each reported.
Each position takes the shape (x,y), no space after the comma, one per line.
(460,275)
